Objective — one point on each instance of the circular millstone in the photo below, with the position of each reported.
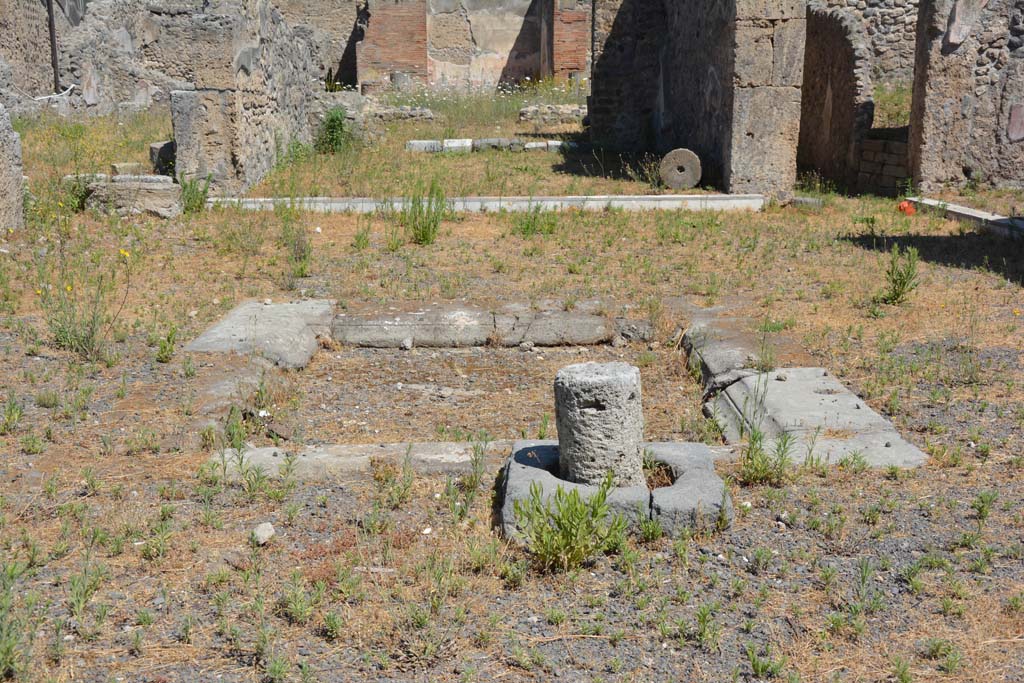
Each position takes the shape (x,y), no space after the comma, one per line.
(600,423)
(680,169)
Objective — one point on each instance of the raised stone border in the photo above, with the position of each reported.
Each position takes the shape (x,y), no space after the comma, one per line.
(463,326)
(1000,225)
(284,333)
(697,499)
(824,418)
(314,463)
(465,145)
(651,202)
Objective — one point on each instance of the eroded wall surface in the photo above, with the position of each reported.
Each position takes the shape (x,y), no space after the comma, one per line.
(967,122)
(837,107)
(251,97)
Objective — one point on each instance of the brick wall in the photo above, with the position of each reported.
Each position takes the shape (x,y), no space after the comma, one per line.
(570,39)
(395,44)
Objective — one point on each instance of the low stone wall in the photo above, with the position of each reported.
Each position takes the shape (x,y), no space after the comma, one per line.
(12,189)
(837,108)
(554,114)
(883,166)
(967,121)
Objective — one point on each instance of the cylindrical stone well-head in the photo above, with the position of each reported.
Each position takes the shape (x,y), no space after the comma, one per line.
(600,423)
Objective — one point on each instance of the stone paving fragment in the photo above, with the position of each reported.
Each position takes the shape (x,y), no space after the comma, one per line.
(824,416)
(284,333)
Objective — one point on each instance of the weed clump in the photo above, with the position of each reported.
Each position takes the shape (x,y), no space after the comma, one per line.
(334,134)
(566,531)
(194,193)
(422,214)
(901,276)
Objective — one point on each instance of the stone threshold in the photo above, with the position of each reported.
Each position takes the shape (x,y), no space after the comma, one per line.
(652,202)
(1004,226)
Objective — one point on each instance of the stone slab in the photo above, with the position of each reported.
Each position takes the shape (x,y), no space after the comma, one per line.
(284,333)
(817,410)
(457,145)
(724,352)
(695,498)
(1000,225)
(317,463)
(131,195)
(467,326)
(423,146)
(657,202)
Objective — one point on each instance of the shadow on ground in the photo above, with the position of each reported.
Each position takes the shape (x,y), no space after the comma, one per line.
(970,251)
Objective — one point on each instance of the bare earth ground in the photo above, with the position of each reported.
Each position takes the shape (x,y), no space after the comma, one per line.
(125,558)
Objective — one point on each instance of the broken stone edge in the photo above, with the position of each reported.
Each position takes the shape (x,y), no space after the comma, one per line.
(697,499)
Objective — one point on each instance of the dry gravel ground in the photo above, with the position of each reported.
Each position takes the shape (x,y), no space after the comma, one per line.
(125,557)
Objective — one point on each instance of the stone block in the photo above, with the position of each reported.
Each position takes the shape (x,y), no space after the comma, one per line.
(127,168)
(698,498)
(457,146)
(427,146)
(600,421)
(161,156)
(12,188)
(131,195)
(897,170)
(754,56)
(789,45)
(535,146)
(285,333)
(552,328)
(491,143)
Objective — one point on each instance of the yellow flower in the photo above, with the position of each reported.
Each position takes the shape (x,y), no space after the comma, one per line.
(39,292)
(67,287)
(125,255)
(1016,312)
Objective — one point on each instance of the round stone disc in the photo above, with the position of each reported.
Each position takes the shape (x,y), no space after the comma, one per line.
(680,169)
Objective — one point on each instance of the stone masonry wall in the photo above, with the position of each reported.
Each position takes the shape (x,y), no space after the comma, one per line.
(251,98)
(723,79)
(883,164)
(12,190)
(768,78)
(967,122)
(329,26)
(837,108)
(890,26)
(628,38)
